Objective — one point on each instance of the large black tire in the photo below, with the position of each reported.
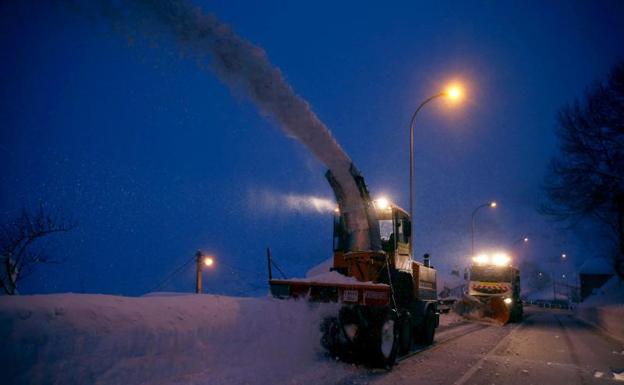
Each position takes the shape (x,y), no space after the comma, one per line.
(406,336)
(516,313)
(426,332)
(386,341)
(330,329)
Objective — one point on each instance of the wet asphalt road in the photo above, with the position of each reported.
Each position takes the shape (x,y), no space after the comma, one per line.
(550,347)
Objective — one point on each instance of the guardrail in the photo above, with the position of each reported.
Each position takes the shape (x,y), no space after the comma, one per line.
(446,304)
(556,304)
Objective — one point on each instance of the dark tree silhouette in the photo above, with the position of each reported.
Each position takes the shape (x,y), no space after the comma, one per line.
(20,245)
(586,176)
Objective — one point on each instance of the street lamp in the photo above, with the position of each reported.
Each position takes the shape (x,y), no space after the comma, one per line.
(201,262)
(472,221)
(521,239)
(454,93)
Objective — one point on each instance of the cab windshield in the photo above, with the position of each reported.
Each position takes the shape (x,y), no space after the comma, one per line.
(385,229)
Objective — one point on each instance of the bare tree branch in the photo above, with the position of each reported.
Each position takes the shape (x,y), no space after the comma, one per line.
(20,251)
(586,178)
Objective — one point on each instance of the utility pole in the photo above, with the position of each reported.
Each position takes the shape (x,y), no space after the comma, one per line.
(198,271)
(268,250)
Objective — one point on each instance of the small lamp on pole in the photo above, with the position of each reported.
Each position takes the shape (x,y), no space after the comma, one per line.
(202,261)
(492,204)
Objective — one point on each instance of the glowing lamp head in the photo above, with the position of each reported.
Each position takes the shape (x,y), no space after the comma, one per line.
(493,204)
(382,203)
(454,92)
(507,301)
(526,239)
(501,259)
(208,261)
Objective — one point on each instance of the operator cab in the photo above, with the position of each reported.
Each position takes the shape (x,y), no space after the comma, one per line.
(394,231)
(395,228)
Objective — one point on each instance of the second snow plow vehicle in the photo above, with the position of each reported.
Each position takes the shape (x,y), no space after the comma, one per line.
(496,284)
(388,301)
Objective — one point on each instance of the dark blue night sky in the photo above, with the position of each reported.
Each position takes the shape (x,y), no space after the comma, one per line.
(155,157)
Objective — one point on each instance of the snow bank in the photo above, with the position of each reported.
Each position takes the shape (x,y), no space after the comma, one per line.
(203,339)
(605,309)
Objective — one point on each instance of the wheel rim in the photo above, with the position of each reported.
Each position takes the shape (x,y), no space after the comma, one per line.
(387,338)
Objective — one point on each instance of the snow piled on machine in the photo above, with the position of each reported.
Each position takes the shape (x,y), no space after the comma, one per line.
(333,277)
(321,274)
(190,339)
(321,268)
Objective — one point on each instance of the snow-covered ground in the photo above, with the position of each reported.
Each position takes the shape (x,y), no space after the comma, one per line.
(605,308)
(451,318)
(165,338)
(84,339)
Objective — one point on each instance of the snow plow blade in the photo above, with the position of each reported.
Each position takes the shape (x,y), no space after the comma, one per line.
(492,309)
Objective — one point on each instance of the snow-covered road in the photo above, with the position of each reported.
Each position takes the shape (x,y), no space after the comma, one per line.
(549,347)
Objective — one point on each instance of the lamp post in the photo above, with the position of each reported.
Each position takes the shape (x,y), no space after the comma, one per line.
(472,222)
(560,273)
(201,262)
(453,93)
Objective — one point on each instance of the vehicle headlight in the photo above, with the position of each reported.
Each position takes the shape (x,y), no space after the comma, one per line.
(481,259)
(501,259)
(507,301)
